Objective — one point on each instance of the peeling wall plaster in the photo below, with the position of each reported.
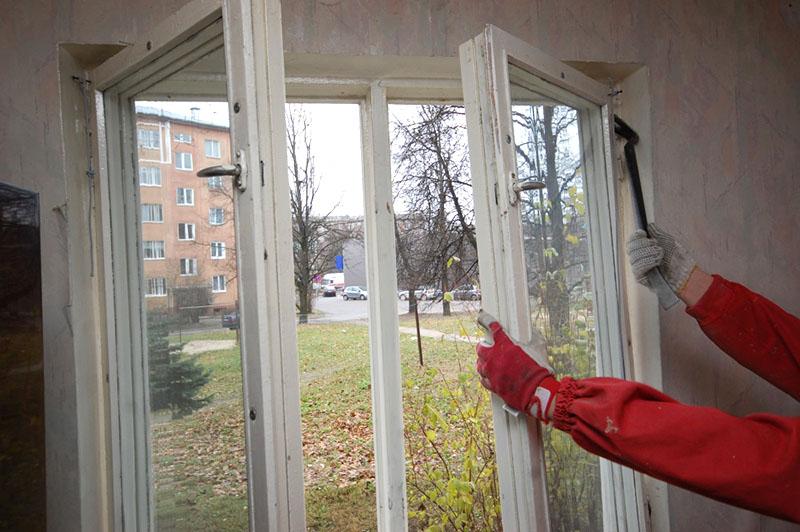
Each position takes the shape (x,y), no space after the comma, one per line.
(724,78)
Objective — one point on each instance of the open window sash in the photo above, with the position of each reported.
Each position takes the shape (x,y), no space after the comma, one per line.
(500,71)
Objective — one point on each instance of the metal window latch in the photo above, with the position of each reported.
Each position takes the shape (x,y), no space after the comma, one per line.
(518,186)
(236,171)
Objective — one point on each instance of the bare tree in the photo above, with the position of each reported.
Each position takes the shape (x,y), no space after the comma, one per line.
(318,238)
(432,185)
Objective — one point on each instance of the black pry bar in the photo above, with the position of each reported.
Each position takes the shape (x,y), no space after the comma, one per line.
(626,132)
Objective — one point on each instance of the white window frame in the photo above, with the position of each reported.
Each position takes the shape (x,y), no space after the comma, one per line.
(157,282)
(150,134)
(187,229)
(144,171)
(212,142)
(484,66)
(216,183)
(188,267)
(219,246)
(151,206)
(152,244)
(212,219)
(267,317)
(183,138)
(180,159)
(181,194)
(214,289)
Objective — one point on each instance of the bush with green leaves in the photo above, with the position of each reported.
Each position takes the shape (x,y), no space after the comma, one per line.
(451,473)
(175,380)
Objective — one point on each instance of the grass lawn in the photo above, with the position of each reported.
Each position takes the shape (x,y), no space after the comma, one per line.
(199,460)
(461,324)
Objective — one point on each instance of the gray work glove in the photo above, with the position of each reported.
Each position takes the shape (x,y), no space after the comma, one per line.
(662,251)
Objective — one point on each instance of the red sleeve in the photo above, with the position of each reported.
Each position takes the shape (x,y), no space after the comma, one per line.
(751,462)
(753,330)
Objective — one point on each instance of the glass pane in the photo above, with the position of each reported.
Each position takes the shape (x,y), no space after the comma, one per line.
(325,184)
(196,418)
(450,469)
(555,240)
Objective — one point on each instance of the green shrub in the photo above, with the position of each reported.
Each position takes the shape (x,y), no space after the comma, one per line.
(452,480)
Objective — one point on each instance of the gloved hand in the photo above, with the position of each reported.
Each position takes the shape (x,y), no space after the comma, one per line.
(507,370)
(661,250)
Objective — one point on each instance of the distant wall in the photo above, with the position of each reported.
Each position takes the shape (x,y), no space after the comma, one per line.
(725,121)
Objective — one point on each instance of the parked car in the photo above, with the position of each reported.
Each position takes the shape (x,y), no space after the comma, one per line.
(432,293)
(468,292)
(354,292)
(231,320)
(402,295)
(329,290)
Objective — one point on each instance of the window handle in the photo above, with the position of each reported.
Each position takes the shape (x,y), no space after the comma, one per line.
(236,171)
(232,170)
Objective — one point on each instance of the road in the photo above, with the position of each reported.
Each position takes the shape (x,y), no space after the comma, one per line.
(332,309)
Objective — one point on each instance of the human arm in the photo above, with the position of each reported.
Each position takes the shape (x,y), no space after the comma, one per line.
(752,462)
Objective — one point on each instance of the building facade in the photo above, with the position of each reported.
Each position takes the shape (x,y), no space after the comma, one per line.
(188,234)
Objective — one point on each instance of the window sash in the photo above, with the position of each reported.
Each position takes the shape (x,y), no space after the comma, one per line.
(217,250)
(188,267)
(215,182)
(156,286)
(185,196)
(183,138)
(153,249)
(183,160)
(213,148)
(216,216)
(186,231)
(152,213)
(149,176)
(149,138)
(218,284)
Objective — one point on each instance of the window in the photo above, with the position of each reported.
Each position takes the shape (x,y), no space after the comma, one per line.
(213,149)
(216,216)
(149,139)
(152,213)
(188,266)
(156,287)
(149,176)
(185,196)
(185,231)
(218,283)
(153,249)
(215,182)
(183,138)
(218,250)
(183,160)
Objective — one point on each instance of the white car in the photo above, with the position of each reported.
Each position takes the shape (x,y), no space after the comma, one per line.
(354,292)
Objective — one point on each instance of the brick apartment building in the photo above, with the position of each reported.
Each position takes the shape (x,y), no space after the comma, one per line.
(188,236)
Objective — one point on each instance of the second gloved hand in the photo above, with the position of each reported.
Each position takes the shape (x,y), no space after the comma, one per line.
(662,251)
(507,370)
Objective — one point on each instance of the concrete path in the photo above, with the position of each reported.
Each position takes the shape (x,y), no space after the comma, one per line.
(201,346)
(430,333)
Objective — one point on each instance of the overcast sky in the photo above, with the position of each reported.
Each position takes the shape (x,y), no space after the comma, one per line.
(336,137)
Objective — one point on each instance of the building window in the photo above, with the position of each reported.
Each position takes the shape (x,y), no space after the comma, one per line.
(152,213)
(215,182)
(149,139)
(188,266)
(183,138)
(218,250)
(150,176)
(153,249)
(185,231)
(156,287)
(218,283)
(185,196)
(216,216)
(213,149)
(183,160)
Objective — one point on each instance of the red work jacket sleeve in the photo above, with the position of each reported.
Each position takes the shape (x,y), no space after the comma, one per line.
(752,462)
(753,330)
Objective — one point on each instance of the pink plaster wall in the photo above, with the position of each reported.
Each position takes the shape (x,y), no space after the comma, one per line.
(724,79)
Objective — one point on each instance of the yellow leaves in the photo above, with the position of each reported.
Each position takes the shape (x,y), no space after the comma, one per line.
(572,239)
